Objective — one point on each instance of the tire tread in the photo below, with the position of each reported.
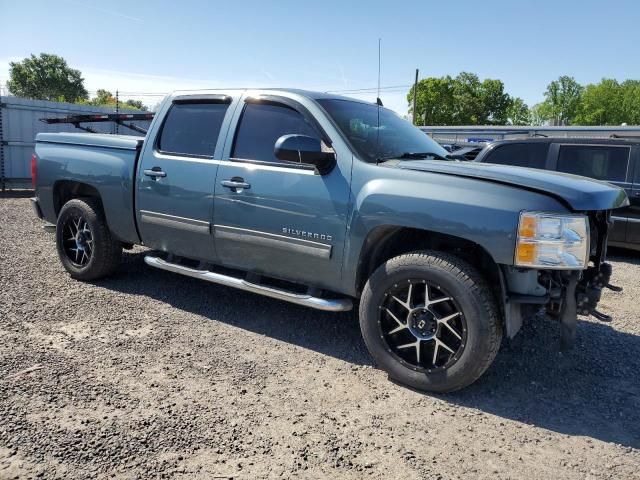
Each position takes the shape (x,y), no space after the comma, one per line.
(108,260)
(471,279)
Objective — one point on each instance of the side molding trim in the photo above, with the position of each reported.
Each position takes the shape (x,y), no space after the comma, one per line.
(172,221)
(272,240)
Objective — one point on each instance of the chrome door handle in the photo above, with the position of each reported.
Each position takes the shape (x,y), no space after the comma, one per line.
(155,172)
(235,184)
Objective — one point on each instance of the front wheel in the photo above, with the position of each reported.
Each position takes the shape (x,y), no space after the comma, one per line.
(430,320)
(85,245)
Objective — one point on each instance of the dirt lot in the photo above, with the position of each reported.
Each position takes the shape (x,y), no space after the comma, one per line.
(149,374)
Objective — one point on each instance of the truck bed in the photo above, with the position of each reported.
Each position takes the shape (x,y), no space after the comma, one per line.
(102,162)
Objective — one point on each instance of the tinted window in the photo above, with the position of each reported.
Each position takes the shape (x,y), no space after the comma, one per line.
(532,155)
(602,163)
(261,125)
(192,128)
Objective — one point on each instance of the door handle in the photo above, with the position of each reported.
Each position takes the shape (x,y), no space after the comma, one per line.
(154,172)
(235,184)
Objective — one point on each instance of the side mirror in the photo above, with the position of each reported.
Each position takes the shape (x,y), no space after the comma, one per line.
(304,149)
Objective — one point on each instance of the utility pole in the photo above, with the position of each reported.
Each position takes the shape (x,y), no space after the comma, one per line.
(415,96)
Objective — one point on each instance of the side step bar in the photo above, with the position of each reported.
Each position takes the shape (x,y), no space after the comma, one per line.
(328,305)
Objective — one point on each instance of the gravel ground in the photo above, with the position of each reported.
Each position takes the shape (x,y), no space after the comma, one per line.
(150,374)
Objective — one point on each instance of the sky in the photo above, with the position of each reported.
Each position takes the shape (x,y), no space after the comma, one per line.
(154,47)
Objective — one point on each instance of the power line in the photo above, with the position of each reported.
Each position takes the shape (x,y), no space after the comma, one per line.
(369,90)
(387,89)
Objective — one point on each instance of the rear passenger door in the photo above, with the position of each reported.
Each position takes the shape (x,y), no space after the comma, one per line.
(177,172)
(602,162)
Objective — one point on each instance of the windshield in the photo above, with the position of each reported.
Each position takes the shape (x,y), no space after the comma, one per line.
(395,138)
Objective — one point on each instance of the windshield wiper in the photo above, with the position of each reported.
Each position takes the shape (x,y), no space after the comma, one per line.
(411,155)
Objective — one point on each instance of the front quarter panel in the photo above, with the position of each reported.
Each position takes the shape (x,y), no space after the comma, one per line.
(482,212)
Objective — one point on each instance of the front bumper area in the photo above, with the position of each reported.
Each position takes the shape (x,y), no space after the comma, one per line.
(564,294)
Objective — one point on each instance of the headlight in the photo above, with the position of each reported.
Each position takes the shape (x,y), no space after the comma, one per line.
(546,240)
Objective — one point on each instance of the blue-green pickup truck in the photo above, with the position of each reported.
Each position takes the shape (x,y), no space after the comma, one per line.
(330,202)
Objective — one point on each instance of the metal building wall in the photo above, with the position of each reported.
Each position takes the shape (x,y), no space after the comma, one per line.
(19,124)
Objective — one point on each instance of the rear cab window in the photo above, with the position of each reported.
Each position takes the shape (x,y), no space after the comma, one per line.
(532,155)
(261,125)
(192,128)
(608,163)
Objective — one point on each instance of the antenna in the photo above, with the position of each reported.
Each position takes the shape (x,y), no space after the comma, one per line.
(379,102)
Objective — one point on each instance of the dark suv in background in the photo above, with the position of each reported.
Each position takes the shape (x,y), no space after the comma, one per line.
(613,160)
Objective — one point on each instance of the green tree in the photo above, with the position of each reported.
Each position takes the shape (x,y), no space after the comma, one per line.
(463,100)
(136,104)
(47,77)
(518,113)
(495,102)
(601,104)
(434,102)
(539,114)
(468,102)
(105,98)
(630,101)
(563,100)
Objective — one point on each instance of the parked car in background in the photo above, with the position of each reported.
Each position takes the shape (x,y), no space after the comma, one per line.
(616,161)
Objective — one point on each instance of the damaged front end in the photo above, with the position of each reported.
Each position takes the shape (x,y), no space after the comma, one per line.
(564,292)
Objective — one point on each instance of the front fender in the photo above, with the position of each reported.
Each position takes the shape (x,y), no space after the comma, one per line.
(481,212)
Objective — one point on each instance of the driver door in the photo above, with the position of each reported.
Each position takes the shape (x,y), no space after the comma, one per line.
(279,218)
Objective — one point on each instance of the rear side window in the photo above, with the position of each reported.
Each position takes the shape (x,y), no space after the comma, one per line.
(261,125)
(192,128)
(599,162)
(532,155)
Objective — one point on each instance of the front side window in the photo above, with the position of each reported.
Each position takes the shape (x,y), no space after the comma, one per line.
(192,128)
(261,125)
(599,162)
(532,155)
(377,133)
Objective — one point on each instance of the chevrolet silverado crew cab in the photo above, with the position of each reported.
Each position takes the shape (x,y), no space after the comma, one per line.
(331,203)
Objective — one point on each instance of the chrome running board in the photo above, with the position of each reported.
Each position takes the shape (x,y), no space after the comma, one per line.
(328,305)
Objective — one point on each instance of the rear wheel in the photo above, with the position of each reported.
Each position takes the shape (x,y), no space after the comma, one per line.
(85,245)
(430,320)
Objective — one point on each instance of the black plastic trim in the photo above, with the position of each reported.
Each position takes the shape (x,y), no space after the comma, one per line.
(206,98)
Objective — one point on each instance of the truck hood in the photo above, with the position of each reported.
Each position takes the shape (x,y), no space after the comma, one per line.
(579,193)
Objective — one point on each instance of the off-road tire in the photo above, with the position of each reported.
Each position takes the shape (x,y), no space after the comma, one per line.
(470,291)
(106,250)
